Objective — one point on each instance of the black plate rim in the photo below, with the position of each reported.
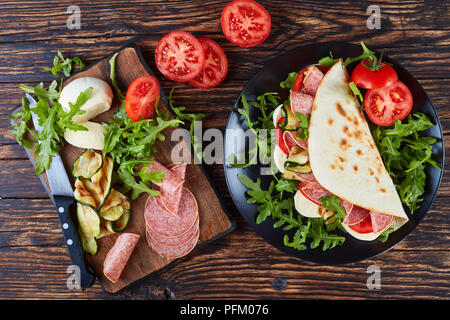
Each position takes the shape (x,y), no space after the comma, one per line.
(330,45)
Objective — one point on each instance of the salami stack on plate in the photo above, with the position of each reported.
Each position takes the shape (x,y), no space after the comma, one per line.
(172,219)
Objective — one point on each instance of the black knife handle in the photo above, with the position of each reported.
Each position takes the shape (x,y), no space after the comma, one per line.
(63,204)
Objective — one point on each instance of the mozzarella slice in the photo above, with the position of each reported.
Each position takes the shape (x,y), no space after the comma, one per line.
(90,139)
(361,236)
(276,115)
(279,157)
(99,102)
(306,207)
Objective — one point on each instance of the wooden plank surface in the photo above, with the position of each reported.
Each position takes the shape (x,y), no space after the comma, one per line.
(33,257)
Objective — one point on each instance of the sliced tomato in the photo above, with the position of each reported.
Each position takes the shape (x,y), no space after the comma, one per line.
(216,65)
(141,98)
(298,83)
(280,139)
(384,105)
(245,23)
(365,78)
(364,226)
(179,56)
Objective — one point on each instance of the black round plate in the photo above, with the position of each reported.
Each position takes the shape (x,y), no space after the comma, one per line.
(268,80)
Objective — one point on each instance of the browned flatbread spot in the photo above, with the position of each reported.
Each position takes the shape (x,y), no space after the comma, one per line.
(383,190)
(332,166)
(344,144)
(377,180)
(359,152)
(355,121)
(340,110)
(371,172)
(342,159)
(355,167)
(330,121)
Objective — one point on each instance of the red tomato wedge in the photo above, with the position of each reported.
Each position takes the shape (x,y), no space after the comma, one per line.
(216,65)
(298,83)
(245,23)
(384,105)
(142,95)
(179,56)
(365,78)
(364,226)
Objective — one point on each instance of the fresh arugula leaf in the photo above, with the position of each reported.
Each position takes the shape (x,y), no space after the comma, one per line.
(327,61)
(64,64)
(191,118)
(332,202)
(289,82)
(129,183)
(303,126)
(20,129)
(356,92)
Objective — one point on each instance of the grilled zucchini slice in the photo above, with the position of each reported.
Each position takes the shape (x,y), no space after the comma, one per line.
(87,164)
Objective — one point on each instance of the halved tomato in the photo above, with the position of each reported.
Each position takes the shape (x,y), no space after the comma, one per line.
(384,105)
(298,83)
(245,23)
(179,56)
(365,78)
(142,95)
(216,65)
(364,226)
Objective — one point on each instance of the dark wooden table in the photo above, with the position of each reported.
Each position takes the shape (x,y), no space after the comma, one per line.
(33,257)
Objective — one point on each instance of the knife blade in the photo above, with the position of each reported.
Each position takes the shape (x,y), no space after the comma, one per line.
(62,194)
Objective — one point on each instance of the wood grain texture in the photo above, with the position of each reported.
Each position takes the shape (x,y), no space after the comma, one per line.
(33,258)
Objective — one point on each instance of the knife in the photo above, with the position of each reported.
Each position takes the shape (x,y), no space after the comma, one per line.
(62,194)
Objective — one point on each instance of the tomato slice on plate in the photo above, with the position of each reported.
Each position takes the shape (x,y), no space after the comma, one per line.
(216,65)
(280,139)
(365,78)
(384,105)
(364,226)
(298,83)
(142,95)
(179,56)
(245,23)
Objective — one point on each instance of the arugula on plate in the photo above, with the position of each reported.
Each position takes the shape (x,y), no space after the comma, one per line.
(406,154)
(272,203)
(64,64)
(261,128)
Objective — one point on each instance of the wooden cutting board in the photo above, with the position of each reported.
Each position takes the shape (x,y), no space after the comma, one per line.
(214,220)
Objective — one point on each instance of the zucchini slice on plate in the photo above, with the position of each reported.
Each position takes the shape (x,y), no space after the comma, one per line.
(115,205)
(87,164)
(292,121)
(102,182)
(298,161)
(89,244)
(88,220)
(83,193)
(121,224)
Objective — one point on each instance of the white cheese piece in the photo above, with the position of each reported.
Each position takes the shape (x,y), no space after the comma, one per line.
(99,102)
(90,139)
(306,207)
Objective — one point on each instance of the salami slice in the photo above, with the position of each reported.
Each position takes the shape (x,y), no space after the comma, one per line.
(380,221)
(347,206)
(290,140)
(312,80)
(356,215)
(171,181)
(173,241)
(118,256)
(314,191)
(172,252)
(171,201)
(301,102)
(306,177)
(170,225)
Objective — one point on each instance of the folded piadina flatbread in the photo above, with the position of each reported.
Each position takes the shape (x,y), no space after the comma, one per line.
(345,162)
